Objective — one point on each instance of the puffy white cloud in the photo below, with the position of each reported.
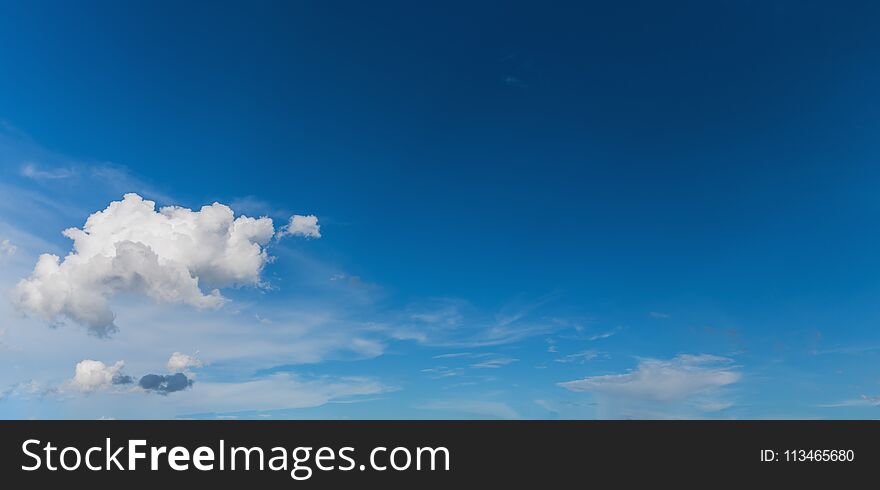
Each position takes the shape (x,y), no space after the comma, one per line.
(663,380)
(178,362)
(168,255)
(7,248)
(93,375)
(304,226)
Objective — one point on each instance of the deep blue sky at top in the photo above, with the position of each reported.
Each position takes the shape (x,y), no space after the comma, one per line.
(631,156)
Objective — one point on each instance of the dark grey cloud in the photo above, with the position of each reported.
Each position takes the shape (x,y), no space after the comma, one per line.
(164,384)
(122,379)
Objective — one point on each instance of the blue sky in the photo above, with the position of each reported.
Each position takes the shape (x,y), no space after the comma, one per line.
(526,211)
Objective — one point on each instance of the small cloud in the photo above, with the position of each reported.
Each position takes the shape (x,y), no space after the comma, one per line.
(714,405)
(657,314)
(7,248)
(582,357)
(489,409)
(304,226)
(603,335)
(445,313)
(862,401)
(31,171)
(164,384)
(453,355)
(494,363)
(90,375)
(662,380)
(262,319)
(443,372)
(179,363)
(25,389)
(871,400)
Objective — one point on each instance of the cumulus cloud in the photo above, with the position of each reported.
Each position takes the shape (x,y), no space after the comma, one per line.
(304,226)
(7,248)
(663,380)
(173,255)
(178,362)
(164,384)
(91,375)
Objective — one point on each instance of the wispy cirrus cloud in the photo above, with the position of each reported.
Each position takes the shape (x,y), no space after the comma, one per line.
(663,380)
(683,382)
(479,408)
(581,357)
(862,401)
(455,323)
(603,335)
(7,248)
(32,171)
(494,363)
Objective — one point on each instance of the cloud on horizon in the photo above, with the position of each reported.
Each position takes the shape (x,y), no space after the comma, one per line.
(683,383)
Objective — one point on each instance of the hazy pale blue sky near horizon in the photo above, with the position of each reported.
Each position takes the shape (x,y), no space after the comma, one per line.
(526,210)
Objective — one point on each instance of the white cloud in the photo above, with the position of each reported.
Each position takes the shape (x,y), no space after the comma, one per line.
(33,172)
(454,355)
(454,323)
(168,255)
(179,363)
(278,392)
(494,363)
(662,380)
(443,372)
(487,409)
(581,357)
(7,248)
(862,401)
(93,375)
(603,335)
(304,226)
